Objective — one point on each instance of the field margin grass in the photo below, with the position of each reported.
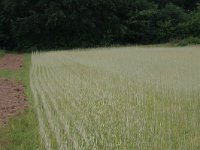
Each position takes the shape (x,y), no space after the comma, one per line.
(22,132)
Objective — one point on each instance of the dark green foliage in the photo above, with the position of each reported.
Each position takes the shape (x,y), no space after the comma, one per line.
(32,24)
(189,41)
(168,21)
(188,5)
(194,23)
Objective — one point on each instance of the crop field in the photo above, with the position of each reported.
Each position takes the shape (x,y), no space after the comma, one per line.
(118,98)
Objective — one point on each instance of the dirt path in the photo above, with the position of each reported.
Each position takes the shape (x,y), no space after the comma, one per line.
(11,61)
(12,99)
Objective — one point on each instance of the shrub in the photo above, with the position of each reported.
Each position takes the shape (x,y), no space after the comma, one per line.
(189,41)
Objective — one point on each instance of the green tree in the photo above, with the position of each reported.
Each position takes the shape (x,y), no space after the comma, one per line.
(168,20)
(25,24)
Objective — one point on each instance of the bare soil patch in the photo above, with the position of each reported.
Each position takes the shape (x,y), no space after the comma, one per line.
(12,100)
(11,61)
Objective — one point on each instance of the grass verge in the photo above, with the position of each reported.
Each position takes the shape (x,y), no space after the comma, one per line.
(2,52)
(21,133)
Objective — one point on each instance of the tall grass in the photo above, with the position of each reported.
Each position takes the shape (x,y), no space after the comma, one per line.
(118,98)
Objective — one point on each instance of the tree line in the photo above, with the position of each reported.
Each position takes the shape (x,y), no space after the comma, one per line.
(43,24)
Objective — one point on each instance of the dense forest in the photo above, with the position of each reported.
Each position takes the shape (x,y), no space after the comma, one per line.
(41,24)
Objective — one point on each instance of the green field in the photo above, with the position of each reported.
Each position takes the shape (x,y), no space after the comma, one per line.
(118,98)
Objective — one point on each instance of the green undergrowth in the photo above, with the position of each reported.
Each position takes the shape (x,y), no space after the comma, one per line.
(21,133)
(189,41)
(2,52)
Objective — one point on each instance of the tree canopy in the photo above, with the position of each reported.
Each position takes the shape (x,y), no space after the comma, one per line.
(26,24)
